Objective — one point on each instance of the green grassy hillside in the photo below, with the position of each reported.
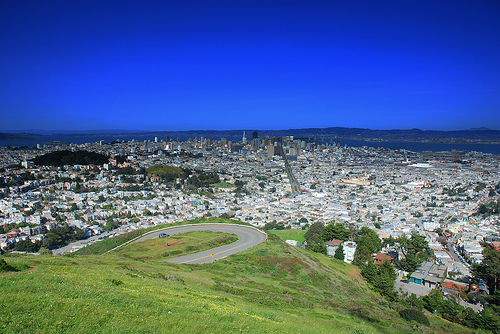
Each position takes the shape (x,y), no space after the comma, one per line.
(182,244)
(297,235)
(271,288)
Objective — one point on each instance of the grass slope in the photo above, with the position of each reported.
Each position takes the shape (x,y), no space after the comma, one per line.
(271,288)
(297,235)
(180,244)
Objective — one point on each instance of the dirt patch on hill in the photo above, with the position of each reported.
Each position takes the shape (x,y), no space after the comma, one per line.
(355,274)
(18,272)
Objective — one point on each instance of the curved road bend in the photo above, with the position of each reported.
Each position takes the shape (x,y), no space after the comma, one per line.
(247,238)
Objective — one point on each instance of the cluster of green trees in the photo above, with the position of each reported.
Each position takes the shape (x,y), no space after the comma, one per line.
(488,319)
(454,191)
(489,271)
(131,187)
(314,238)
(381,277)
(16,180)
(111,224)
(491,208)
(61,158)
(28,246)
(168,173)
(203,180)
(274,226)
(435,302)
(63,235)
(414,249)
(130,171)
(365,237)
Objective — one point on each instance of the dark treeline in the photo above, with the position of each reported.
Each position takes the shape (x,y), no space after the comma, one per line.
(61,158)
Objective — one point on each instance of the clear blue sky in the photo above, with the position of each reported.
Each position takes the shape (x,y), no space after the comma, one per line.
(180,65)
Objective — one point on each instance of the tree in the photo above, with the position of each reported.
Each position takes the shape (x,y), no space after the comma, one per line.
(339,253)
(389,241)
(413,251)
(44,251)
(79,234)
(414,315)
(334,231)
(367,237)
(489,269)
(280,226)
(362,256)
(432,301)
(315,239)
(385,281)
(489,320)
(412,301)
(27,246)
(270,226)
(380,277)
(239,183)
(59,236)
(370,273)
(315,228)
(318,248)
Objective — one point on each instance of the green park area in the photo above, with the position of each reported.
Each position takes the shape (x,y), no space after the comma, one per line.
(182,244)
(297,235)
(270,288)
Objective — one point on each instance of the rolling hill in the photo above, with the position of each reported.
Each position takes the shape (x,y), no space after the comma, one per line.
(271,288)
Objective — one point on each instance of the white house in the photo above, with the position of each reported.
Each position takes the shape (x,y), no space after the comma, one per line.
(349,250)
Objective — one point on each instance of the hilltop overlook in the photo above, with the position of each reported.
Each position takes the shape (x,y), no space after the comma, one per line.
(272,288)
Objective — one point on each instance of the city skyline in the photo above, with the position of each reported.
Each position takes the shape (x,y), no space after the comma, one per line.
(259,65)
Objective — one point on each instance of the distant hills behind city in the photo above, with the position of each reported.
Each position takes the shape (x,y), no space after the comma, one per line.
(476,135)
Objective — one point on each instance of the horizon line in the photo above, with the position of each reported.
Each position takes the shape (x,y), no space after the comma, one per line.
(104,131)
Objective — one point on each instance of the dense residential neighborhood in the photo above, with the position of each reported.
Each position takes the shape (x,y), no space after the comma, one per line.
(448,199)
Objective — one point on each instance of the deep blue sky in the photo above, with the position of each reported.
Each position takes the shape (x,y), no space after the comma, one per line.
(179,65)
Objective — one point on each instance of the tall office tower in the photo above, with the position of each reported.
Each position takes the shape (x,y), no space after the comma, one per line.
(255,135)
(167,138)
(265,142)
(156,139)
(270,151)
(244,139)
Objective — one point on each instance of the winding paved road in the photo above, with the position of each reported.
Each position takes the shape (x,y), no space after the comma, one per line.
(248,237)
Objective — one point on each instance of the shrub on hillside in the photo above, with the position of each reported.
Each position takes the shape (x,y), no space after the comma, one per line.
(410,314)
(5,267)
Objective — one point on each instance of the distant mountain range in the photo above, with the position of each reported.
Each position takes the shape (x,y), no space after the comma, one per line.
(71,132)
(476,135)
(10,136)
